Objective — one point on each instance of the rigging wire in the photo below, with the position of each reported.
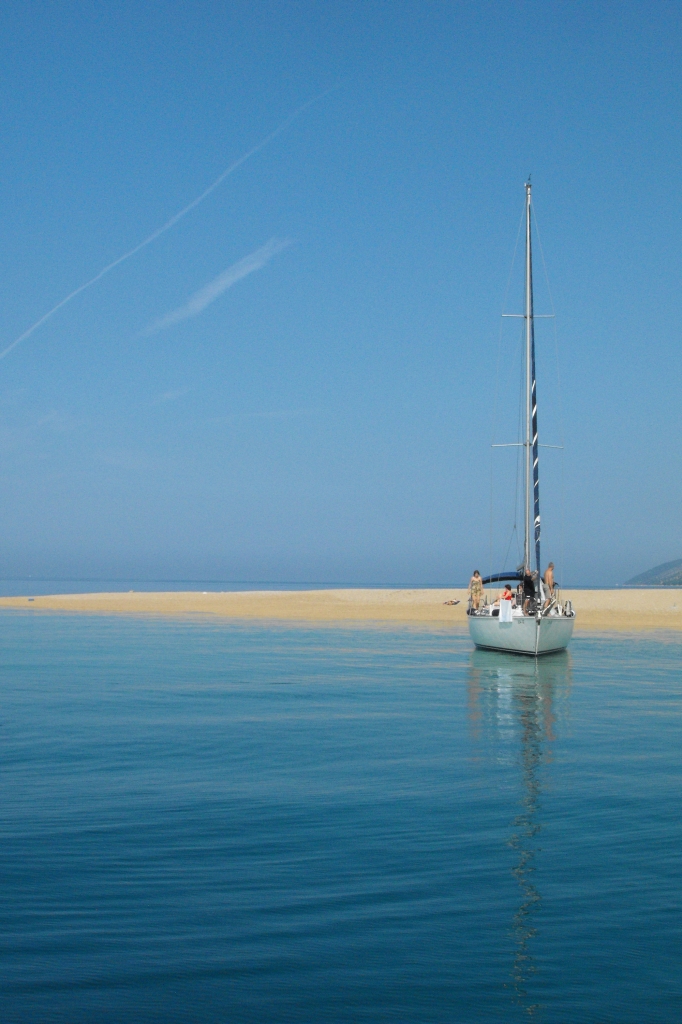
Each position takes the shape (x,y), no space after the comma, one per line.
(556,341)
(563,492)
(559,399)
(497,382)
(517,474)
(490,572)
(519,435)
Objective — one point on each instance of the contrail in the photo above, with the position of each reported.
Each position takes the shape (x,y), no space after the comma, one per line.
(210,292)
(169,223)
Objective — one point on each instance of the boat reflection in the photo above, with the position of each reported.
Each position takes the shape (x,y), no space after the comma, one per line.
(514,705)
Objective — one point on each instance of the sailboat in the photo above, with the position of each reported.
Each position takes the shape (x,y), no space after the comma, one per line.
(537,622)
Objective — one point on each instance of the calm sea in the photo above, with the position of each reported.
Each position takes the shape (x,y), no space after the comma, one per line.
(209,822)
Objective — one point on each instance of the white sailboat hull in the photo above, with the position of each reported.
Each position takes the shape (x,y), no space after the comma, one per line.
(509,629)
(523,635)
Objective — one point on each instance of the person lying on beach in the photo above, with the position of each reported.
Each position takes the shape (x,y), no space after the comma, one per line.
(475,589)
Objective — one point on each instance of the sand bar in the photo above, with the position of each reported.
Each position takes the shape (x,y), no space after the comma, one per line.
(627,610)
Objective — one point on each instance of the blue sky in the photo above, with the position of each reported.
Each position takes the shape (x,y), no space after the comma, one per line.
(297,380)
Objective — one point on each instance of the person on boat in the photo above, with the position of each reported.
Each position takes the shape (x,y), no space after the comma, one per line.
(506,595)
(548,580)
(528,590)
(475,590)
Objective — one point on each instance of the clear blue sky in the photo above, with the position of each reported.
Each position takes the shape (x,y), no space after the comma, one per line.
(328,415)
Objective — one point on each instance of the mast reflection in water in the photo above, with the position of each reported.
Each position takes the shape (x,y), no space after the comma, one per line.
(514,703)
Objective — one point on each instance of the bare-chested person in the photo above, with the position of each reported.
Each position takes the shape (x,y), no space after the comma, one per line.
(548,580)
(475,589)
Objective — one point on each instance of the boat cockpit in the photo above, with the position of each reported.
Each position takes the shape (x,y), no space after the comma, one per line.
(531,599)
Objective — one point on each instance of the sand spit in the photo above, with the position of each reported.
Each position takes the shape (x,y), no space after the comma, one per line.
(625,610)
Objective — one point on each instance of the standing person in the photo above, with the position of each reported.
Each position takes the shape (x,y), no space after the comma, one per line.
(528,590)
(475,589)
(548,579)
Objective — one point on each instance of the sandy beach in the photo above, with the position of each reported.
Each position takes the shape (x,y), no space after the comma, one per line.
(625,610)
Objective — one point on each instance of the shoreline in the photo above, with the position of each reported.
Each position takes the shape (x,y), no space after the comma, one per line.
(601,610)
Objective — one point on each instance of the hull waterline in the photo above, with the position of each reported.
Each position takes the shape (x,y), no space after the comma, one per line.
(523,635)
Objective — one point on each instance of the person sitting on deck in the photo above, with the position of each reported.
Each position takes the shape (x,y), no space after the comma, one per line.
(475,589)
(506,594)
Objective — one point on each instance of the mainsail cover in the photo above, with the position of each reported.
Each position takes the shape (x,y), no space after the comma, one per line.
(502,577)
(534,423)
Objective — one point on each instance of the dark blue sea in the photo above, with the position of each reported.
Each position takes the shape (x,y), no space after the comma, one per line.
(210,822)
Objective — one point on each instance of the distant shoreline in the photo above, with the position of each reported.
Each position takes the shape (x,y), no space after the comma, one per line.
(620,610)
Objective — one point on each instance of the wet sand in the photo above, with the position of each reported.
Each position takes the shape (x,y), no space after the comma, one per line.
(626,610)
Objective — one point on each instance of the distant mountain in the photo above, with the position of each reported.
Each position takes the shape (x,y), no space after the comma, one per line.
(667,575)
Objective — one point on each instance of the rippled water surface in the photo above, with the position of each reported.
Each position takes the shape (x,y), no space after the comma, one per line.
(223,823)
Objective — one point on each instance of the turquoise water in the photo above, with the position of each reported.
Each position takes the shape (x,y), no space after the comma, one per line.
(223,823)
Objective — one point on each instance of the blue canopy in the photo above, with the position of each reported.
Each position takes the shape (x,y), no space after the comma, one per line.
(499,577)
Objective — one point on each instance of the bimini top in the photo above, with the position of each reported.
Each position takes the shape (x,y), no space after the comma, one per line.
(499,577)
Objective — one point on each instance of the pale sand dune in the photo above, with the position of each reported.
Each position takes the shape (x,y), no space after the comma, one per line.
(596,609)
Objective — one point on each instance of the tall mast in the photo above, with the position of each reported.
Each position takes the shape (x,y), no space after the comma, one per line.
(532,485)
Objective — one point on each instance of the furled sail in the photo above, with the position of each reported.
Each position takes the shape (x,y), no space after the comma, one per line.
(534,418)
